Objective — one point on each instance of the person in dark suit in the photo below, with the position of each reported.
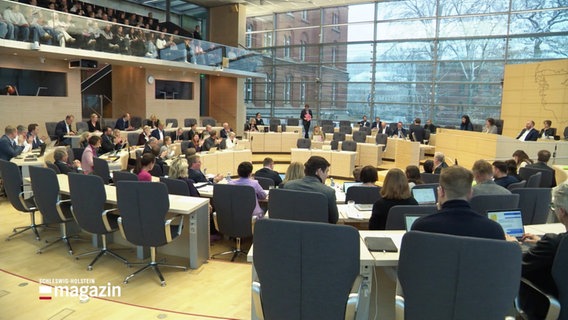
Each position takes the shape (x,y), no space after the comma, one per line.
(417,133)
(123,123)
(64,128)
(400,131)
(159,132)
(529,133)
(8,147)
(376,124)
(179,135)
(547,132)
(34,135)
(456,216)
(385,129)
(107,141)
(94,124)
(543,156)
(267,171)
(306,116)
(430,126)
(537,261)
(225,131)
(61,157)
(364,122)
(258,118)
(439,162)
(194,172)
(212,141)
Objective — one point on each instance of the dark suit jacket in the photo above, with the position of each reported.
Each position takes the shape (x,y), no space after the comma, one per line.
(364,124)
(156,134)
(225,134)
(418,131)
(93,128)
(141,139)
(532,136)
(376,125)
(208,144)
(121,124)
(303,114)
(403,131)
(259,122)
(457,218)
(107,144)
(387,131)
(544,166)
(152,124)
(36,143)
(270,174)
(378,220)
(7,149)
(548,132)
(175,136)
(61,130)
(196,176)
(430,127)
(438,169)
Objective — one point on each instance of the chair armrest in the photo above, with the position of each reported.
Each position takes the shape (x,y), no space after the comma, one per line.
(353,299)
(554,305)
(60,209)
(168,228)
(105,219)
(120,227)
(256,301)
(215,220)
(22,197)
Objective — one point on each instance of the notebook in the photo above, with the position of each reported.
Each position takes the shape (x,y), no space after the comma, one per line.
(510,220)
(347,185)
(364,207)
(424,196)
(409,220)
(383,244)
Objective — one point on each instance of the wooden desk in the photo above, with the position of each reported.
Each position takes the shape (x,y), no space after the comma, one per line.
(194,242)
(561,173)
(342,162)
(273,142)
(224,161)
(541,229)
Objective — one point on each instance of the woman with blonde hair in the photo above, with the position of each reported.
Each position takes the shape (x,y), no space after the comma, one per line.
(94,124)
(318,135)
(84,139)
(395,192)
(295,171)
(167,148)
(153,122)
(179,169)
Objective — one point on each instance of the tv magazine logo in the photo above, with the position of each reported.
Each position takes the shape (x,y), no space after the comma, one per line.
(83,289)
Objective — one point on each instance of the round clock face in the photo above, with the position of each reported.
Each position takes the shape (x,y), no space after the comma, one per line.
(150,79)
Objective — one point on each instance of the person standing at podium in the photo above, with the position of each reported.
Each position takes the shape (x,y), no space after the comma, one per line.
(306,116)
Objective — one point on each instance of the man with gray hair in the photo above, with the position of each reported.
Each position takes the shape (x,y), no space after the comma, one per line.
(537,262)
(8,147)
(439,162)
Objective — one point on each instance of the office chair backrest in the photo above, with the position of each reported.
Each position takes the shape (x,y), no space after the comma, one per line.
(13,183)
(482,203)
(101,169)
(50,128)
(363,194)
(534,180)
(136,122)
(449,277)
(382,138)
(327,128)
(234,205)
(275,122)
(334,144)
(366,130)
(359,136)
(188,122)
(344,123)
(132,138)
(82,126)
(430,177)
(301,275)
(327,122)
(338,136)
(208,121)
(566,132)
(349,145)
(560,277)
(46,193)
(346,129)
(52,166)
(517,185)
(293,122)
(304,143)
(499,124)
(545,180)
(143,206)
(433,186)
(274,127)
(176,186)
(88,203)
(265,183)
(395,217)
(123,176)
(297,205)
(534,204)
(173,121)
(108,122)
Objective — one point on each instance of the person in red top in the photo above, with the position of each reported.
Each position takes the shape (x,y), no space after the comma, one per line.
(145,166)
(306,116)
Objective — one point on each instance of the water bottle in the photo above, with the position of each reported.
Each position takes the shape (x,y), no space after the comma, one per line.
(332,183)
(228,177)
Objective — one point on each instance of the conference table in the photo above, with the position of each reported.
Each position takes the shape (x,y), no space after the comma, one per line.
(193,243)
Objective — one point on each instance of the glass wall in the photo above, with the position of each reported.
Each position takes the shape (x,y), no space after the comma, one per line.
(433,59)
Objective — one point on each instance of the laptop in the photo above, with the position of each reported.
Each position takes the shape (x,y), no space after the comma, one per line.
(409,220)
(424,196)
(282,176)
(169,125)
(347,185)
(510,220)
(42,148)
(383,244)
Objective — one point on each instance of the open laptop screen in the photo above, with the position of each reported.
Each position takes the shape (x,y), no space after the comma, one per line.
(347,185)
(510,220)
(282,176)
(424,196)
(409,220)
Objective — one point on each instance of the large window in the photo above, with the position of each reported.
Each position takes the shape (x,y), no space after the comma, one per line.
(433,59)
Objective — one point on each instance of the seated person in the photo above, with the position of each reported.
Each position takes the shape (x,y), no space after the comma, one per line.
(413,176)
(455,216)
(316,170)
(318,135)
(439,162)
(196,143)
(484,184)
(63,128)
(490,126)
(368,176)
(179,135)
(245,170)
(89,153)
(195,173)
(153,122)
(94,123)
(537,262)
(145,165)
(144,135)
(295,171)
(251,125)
(430,126)
(107,141)
(400,132)
(180,170)
(167,148)
(529,133)
(428,166)
(61,157)
(8,148)
(231,141)
(385,129)
(226,130)
(501,176)
(267,171)
(547,132)
(364,122)
(258,119)
(541,163)
(123,123)
(376,125)
(211,142)
(466,123)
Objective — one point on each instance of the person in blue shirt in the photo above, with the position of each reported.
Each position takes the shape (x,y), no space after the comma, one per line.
(500,176)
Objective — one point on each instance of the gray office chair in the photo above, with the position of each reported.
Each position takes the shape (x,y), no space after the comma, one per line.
(427,134)
(297,205)
(346,129)
(50,128)
(338,136)
(176,186)
(344,123)
(208,121)
(546,180)
(135,122)
(265,183)
(52,166)
(19,199)
(142,220)
(327,128)
(77,153)
(234,206)
(366,130)
(363,194)
(395,217)
(173,121)
(302,276)
(383,139)
(565,133)
(534,204)
(517,185)
(274,127)
(54,210)
(534,180)
(444,277)
(430,177)
(188,122)
(88,208)
(558,307)
(327,122)
(482,203)
(334,144)
(359,136)
(101,169)
(349,145)
(123,176)
(132,138)
(82,126)
(293,122)
(499,124)
(108,122)
(304,143)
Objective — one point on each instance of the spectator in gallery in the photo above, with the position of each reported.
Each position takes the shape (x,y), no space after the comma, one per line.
(197,33)
(364,122)
(251,125)
(306,116)
(94,124)
(466,123)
